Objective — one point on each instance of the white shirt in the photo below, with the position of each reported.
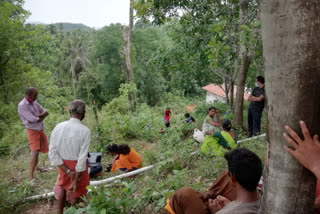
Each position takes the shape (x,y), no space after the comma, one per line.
(70,140)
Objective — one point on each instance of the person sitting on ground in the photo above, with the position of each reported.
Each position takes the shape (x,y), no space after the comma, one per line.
(127,159)
(212,122)
(188,118)
(244,171)
(219,142)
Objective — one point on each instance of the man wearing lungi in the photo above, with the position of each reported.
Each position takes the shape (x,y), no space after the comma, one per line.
(32,115)
(69,146)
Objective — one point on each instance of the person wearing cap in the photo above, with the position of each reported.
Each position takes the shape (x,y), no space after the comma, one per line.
(217,143)
(69,147)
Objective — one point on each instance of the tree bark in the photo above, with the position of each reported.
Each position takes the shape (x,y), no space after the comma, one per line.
(244,67)
(291,49)
(231,95)
(127,34)
(238,112)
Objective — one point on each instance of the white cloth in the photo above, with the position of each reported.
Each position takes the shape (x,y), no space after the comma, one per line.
(240,208)
(70,140)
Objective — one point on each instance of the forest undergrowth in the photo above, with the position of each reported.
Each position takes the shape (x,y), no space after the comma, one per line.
(170,152)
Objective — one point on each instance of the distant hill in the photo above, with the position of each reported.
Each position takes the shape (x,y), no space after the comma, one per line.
(65,26)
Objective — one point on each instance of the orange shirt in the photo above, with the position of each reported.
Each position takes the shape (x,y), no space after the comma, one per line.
(128,161)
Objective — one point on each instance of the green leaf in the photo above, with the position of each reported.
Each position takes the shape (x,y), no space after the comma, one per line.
(103,211)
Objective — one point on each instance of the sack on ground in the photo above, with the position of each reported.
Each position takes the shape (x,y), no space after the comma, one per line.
(198,135)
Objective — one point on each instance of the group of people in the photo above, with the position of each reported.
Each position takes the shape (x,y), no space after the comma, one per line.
(217,141)
(69,148)
(235,190)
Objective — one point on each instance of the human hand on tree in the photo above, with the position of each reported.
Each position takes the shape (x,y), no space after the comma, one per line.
(306,151)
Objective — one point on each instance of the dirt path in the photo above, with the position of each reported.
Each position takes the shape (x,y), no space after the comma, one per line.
(191,108)
(43,207)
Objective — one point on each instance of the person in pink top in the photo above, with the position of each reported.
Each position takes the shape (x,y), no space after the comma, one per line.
(32,115)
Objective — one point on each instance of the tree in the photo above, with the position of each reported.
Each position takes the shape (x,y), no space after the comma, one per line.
(127,35)
(291,50)
(77,59)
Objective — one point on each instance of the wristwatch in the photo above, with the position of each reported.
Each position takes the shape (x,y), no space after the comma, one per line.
(68,171)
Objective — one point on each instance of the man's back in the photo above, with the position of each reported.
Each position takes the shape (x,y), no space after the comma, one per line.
(70,140)
(240,208)
(68,137)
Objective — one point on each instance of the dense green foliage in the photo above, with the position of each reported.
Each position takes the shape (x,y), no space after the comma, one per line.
(170,65)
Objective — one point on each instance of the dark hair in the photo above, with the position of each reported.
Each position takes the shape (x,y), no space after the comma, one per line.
(124,149)
(187,115)
(30,90)
(212,107)
(113,148)
(121,149)
(246,166)
(226,124)
(260,79)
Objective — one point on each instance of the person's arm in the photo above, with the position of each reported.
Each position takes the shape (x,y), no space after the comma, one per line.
(73,186)
(43,114)
(218,118)
(209,133)
(84,149)
(217,204)
(258,99)
(54,156)
(66,170)
(306,151)
(216,124)
(43,111)
(25,113)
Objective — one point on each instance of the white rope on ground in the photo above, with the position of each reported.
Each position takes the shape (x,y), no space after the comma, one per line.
(96,183)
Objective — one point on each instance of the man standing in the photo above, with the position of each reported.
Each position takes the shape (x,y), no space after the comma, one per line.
(69,147)
(32,114)
(256,107)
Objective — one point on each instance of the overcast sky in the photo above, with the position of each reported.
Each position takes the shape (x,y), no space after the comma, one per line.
(93,13)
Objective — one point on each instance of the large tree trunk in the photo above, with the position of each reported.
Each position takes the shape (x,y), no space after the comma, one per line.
(127,34)
(246,59)
(238,112)
(291,49)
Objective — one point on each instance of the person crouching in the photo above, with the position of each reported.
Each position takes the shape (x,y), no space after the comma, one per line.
(126,158)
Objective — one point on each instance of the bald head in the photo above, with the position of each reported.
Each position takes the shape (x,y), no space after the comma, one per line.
(77,109)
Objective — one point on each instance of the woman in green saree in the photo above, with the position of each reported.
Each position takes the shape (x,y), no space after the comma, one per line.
(217,143)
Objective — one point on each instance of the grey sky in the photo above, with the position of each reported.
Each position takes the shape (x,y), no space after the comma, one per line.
(93,13)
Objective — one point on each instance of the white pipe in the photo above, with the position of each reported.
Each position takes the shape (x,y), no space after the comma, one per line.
(46,195)
(96,183)
(251,138)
